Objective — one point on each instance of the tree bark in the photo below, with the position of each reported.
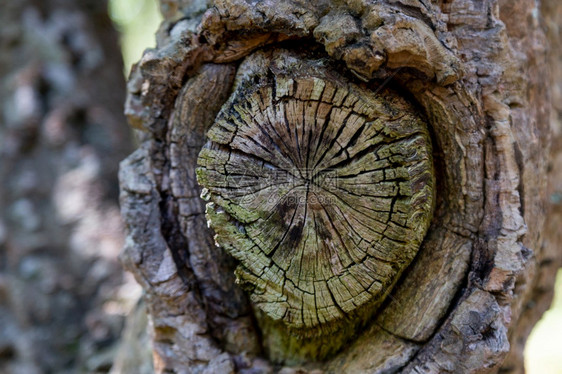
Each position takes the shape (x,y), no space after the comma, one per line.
(433,252)
(62,135)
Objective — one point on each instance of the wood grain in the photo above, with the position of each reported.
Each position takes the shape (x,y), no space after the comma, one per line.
(323,191)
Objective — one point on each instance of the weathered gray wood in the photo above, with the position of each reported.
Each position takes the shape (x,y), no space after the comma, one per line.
(477,82)
(322,189)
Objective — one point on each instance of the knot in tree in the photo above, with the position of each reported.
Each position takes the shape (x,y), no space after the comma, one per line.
(321,188)
(374,182)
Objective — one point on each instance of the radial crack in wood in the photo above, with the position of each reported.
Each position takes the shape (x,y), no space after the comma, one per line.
(321,188)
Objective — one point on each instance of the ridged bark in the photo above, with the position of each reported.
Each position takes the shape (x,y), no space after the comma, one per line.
(476,80)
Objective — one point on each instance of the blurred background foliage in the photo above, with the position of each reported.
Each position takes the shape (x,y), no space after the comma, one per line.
(543,353)
(137,21)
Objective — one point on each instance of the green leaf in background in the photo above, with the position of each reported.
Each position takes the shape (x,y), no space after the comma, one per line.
(543,351)
(137,21)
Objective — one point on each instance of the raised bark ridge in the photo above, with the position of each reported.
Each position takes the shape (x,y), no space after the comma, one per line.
(322,189)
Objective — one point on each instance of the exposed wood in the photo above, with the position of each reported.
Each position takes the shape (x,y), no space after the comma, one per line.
(323,190)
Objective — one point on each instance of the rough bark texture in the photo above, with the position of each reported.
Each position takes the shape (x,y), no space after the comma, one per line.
(62,134)
(476,72)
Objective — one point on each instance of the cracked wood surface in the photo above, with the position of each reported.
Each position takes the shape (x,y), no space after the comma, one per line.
(322,190)
(470,70)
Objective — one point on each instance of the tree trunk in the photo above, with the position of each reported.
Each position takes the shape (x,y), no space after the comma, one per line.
(62,135)
(345,186)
